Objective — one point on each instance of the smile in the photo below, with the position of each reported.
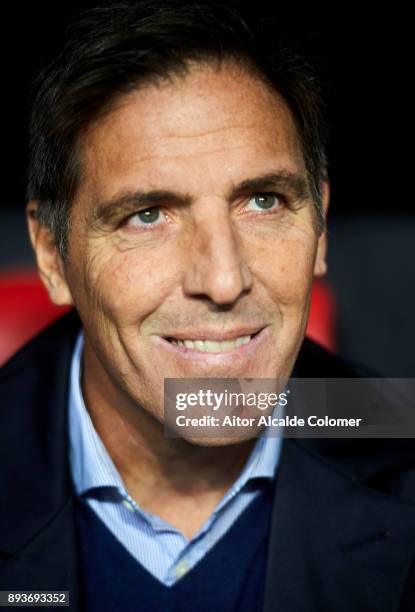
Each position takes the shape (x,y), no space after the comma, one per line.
(216,348)
(212,346)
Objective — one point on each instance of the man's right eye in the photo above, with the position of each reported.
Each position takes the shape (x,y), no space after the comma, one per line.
(146,217)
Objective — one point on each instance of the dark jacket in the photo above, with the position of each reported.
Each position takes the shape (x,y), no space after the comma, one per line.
(343,527)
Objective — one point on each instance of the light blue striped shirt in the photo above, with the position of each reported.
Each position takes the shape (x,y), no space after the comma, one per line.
(160,548)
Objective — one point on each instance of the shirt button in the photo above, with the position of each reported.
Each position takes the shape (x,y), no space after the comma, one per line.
(128,505)
(181,568)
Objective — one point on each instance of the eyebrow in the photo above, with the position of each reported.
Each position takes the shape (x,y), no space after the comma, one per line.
(293,183)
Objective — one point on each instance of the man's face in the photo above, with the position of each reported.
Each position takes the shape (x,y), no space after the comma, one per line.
(193,224)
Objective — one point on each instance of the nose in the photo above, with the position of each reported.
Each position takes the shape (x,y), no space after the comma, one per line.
(216,268)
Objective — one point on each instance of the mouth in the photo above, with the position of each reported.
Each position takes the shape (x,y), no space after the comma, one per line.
(216,348)
(212,346)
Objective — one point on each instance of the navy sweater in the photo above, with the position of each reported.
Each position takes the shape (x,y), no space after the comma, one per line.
(230,577)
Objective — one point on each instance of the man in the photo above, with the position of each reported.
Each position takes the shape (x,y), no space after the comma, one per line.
(177,199)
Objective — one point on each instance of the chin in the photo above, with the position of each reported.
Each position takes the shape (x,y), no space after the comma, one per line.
(217,442)
(211,438)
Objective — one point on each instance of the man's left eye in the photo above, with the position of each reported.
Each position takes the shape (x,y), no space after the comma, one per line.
(264,201)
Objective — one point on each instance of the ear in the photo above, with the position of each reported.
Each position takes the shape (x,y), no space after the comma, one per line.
(49,262)
(320,264)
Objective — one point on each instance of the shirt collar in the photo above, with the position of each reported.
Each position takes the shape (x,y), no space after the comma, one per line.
(92,466)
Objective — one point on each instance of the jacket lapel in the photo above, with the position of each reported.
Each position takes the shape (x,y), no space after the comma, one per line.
(48,561)
(37,535)
(335,544)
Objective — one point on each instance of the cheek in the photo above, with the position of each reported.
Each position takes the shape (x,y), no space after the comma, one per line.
(126,287)
(285,267)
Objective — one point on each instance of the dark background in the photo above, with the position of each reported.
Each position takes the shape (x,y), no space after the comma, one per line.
(365,64)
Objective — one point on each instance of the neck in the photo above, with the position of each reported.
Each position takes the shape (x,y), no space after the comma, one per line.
(177,480)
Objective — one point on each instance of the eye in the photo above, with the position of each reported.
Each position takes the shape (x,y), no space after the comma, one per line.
(264,201)
(146,217)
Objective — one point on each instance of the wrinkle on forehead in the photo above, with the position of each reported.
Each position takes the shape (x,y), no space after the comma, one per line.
(211,131)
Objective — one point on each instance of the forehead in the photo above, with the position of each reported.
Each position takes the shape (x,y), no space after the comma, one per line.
(206,130)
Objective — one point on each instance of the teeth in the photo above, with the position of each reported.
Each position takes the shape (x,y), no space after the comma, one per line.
(211,346)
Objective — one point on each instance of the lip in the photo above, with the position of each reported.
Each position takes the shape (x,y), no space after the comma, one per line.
(229,357)
(215,336)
